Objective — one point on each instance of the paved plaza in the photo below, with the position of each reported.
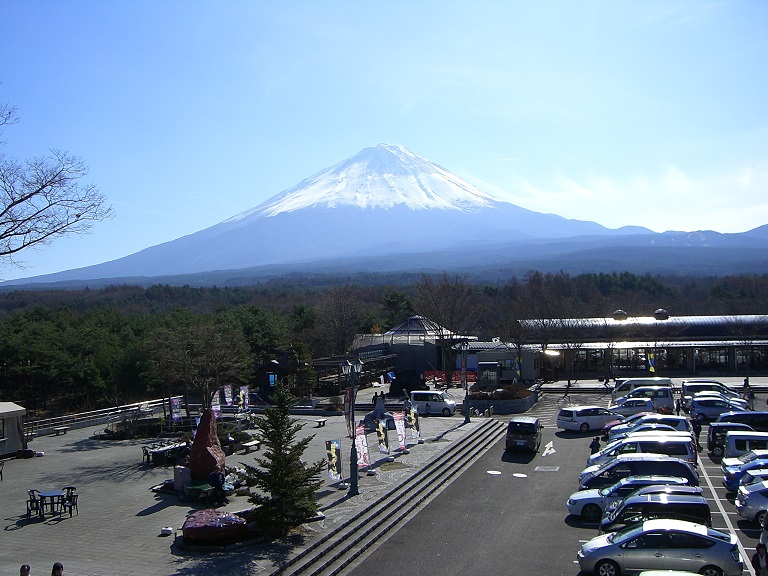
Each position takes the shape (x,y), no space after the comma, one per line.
(117,530)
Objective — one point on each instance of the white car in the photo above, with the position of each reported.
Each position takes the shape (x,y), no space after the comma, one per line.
(584,418)
(590,504)
(677,422)
(629,406)
(735,400)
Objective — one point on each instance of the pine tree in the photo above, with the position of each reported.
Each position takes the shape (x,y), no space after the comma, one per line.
(286,486)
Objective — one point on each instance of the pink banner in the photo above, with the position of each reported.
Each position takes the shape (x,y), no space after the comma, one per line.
(361,445)
(400,427)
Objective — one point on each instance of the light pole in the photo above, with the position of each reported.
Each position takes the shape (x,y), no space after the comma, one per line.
(351,372)
(465,409)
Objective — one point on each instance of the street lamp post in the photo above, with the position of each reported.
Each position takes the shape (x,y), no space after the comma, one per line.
(465,408)
(351,373)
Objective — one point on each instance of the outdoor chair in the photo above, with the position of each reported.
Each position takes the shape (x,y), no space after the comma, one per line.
(34,504)
(69,501)
(147,456)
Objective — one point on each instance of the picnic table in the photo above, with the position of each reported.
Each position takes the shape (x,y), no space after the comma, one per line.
(166,453)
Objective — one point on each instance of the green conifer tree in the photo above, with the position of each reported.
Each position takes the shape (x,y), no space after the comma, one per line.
(286,486)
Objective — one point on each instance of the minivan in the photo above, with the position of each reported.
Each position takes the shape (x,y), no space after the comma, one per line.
(636,465)
(679,447)
(709,407)
(716,435)
(584,418)
(624,387)
(524,433)
(433,402)
(690,507)
(738,443)
(662,397)
(758,420)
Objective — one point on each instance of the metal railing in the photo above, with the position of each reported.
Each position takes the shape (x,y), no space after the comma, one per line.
(83,419)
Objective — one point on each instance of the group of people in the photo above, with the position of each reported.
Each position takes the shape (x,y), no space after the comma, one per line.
(57,570)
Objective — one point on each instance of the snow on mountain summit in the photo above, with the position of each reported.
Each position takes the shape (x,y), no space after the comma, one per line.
(383,176)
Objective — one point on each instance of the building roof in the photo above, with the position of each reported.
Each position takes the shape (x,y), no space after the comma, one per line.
(9,410)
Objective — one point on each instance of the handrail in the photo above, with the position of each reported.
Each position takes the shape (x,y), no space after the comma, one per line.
(84,417)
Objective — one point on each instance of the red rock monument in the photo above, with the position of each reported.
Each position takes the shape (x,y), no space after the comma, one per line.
(206,452)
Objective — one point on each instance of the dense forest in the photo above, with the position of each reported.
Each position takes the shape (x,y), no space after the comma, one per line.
(62,350)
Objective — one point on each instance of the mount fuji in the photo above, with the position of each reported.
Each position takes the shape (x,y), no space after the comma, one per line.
(386,209)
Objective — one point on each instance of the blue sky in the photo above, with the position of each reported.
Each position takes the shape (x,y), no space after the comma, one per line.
(645,113)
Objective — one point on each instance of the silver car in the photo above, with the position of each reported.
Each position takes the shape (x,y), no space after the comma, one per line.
(590,504)
(662,545)
(752,501)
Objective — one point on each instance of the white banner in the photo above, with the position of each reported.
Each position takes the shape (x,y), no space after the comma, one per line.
(400,427)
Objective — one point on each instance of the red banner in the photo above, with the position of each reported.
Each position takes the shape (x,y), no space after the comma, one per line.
(432,376)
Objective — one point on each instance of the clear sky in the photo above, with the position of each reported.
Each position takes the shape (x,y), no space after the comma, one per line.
(620,112)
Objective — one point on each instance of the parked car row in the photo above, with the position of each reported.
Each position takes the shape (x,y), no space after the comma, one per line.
(642,490)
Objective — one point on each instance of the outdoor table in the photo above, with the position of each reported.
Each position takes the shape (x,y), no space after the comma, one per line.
(50,499)
(160,455)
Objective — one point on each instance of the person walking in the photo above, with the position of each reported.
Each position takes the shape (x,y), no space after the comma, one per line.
(760,560)
(595,445)
(696,425)
(58,569)
(677,407)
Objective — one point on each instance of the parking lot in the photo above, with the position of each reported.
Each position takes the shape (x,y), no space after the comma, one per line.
(724,515)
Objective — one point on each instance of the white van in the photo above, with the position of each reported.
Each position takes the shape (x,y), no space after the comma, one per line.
(679,446)
(429,402)
(662,396)
(625,386)
(738,443)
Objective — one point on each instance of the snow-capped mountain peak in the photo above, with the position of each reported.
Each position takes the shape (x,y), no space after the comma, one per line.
(383,176)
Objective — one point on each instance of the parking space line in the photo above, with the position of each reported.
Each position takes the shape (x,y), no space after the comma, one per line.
(731,528)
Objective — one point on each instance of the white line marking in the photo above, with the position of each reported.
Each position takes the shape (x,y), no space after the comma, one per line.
(718,501)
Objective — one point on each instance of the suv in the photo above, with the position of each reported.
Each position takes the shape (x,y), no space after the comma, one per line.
(635,509)
(524,433)
(716,435)
(757,420)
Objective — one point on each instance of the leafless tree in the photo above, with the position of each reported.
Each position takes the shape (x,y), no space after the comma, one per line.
(745,330)
(341,312)
(43,199)
(447,301)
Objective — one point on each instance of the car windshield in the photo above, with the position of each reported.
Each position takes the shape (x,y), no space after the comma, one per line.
(626,533)
(748,457)
(607,490)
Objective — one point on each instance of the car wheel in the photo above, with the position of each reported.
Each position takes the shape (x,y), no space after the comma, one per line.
(711,571)
(717,452)
(591,513)
(446,411)
(607,568)
(760,518)
(584,427)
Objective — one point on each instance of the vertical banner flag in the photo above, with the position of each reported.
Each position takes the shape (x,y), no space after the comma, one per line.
(228,395)
(244,397)
(194,432)
(333,448)
(400,427)
(215,406)
(361,445)
(348,412)
(175,409)
(381,432)
(651,364)
(415,429)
